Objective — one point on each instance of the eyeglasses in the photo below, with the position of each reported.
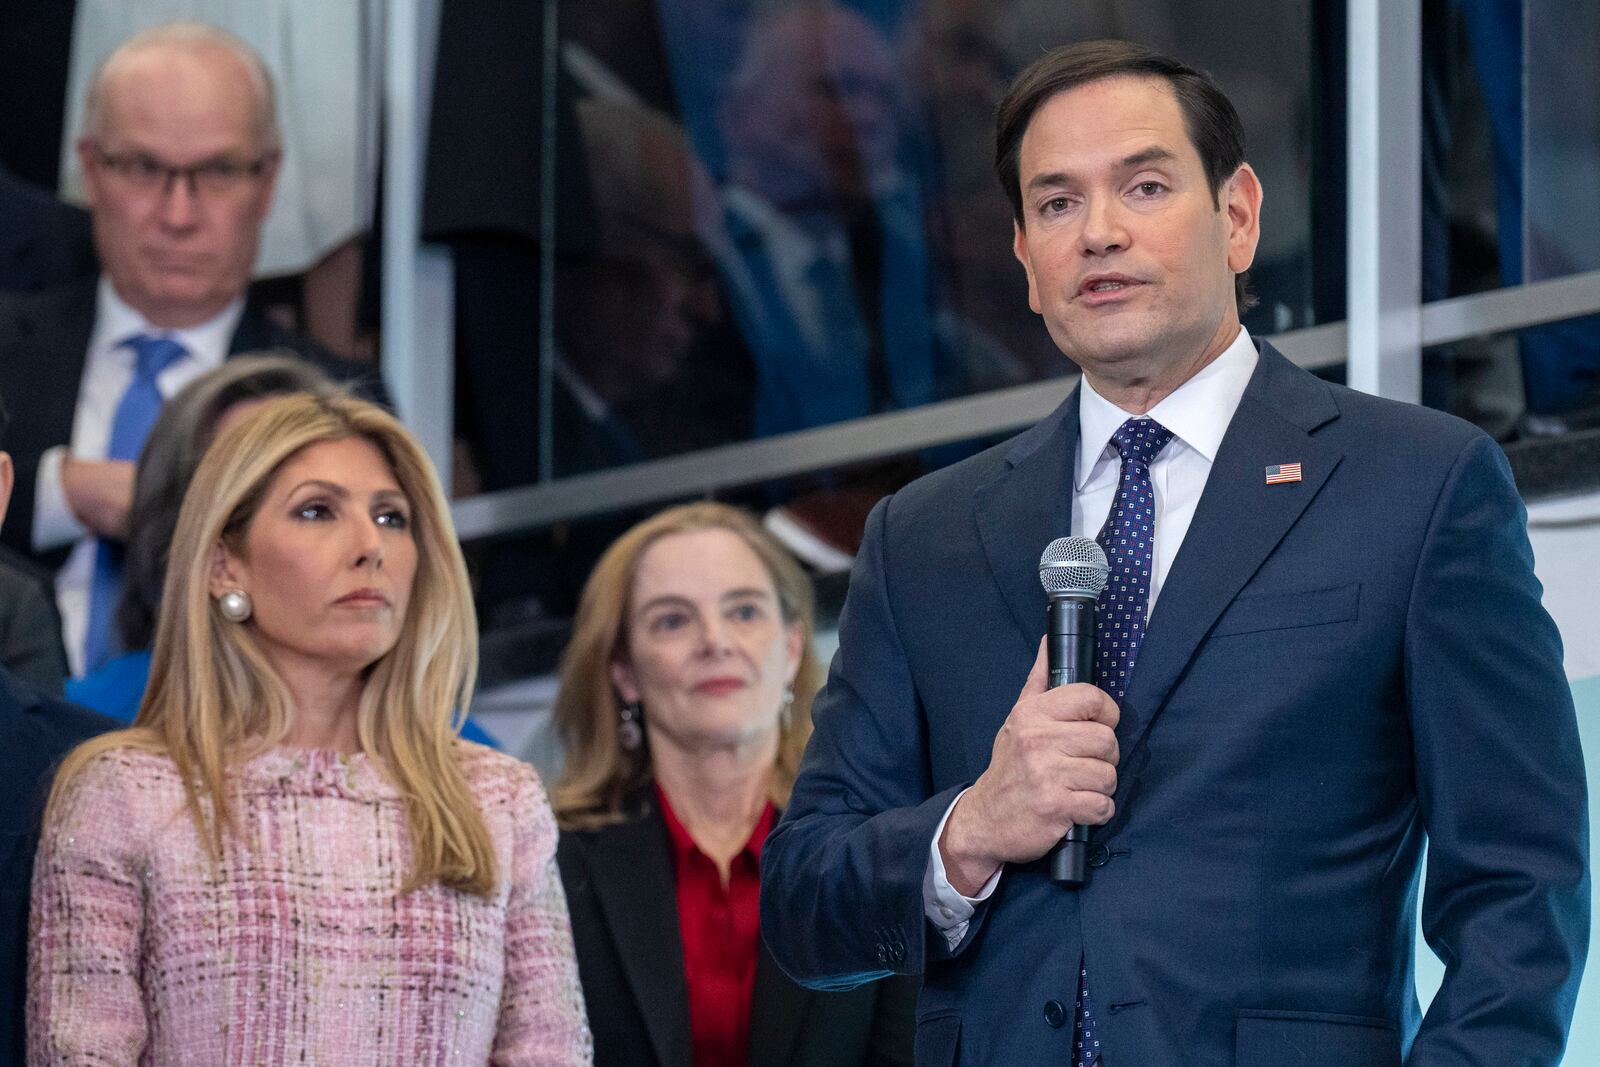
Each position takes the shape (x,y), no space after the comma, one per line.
(213,178)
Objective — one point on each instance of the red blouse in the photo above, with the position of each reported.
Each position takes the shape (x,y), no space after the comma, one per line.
(719,927)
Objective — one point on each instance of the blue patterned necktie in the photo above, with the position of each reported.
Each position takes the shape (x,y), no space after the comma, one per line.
(135,415)
(1129,540)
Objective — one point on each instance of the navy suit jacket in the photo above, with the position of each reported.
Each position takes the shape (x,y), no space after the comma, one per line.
(35,732)
(1336,670)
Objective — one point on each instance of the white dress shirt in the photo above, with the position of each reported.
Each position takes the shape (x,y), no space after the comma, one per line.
(1197,413)
(107,372)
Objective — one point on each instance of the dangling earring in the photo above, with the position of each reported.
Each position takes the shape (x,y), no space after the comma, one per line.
(786,710)
(235,605)
(630,731)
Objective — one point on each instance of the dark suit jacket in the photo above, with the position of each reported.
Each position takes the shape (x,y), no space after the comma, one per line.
(35,732)
(30,628)
(620,893)
(1335,669)
(44,343)
(43,241)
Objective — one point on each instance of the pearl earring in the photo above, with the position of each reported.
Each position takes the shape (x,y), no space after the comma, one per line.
(235,605)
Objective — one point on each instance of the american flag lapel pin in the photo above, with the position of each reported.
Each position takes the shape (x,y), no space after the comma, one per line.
(1283,473)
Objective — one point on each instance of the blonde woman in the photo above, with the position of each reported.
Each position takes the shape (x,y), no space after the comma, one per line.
(685,706)
(290,857)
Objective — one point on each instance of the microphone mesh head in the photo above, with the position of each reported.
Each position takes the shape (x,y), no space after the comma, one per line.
(1074,566)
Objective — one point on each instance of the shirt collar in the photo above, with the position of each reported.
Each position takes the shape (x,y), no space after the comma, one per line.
(116,321)
(1197,412)
(683,845)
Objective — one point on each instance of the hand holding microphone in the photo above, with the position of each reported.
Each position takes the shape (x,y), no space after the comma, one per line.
(1073,571)
(1053,765)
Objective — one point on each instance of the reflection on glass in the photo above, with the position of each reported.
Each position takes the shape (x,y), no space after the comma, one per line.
(1561,229)
(1563,142)
(832,161)
(1509,89)
(632,310)
(773,215)
(827,261)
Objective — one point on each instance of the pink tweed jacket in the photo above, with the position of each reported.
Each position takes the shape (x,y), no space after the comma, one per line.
(300,949)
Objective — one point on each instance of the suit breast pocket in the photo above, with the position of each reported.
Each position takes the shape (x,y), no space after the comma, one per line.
(1287,611)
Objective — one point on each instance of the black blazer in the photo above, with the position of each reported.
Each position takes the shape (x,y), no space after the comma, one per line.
(620,892)
(35,732)
(44,342)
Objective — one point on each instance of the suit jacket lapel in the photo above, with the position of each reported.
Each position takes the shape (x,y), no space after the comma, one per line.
(630,864)
(1238,522)
(777,1009)
(1026,508)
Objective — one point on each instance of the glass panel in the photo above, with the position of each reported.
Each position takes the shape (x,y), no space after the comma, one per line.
(1562,165)
(1511,162)
(1484,380)
(1469,181)
(1479,379)
(772,216)
(796,220)
(1561,228)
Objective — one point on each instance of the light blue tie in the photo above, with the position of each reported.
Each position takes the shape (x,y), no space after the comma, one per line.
(136,414)
(1129,540)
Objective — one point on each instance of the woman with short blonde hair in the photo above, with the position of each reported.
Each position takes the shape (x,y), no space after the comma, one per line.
(290,855)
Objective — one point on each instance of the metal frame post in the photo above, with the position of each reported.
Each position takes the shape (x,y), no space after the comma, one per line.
(1385,198)
(418,304)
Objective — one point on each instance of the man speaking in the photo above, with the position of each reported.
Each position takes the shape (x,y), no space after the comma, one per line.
(1321,644)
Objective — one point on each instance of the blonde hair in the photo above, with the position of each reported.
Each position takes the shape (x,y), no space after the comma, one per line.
(213,694)
(599,773)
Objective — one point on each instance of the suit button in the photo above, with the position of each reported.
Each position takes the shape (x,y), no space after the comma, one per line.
(1099,855)
(1055,1016)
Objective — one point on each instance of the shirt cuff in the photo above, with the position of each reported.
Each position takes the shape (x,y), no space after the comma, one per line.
(946,907)
(54,524)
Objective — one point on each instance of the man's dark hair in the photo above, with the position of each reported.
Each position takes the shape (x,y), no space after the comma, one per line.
(1208,115)
(5,421)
